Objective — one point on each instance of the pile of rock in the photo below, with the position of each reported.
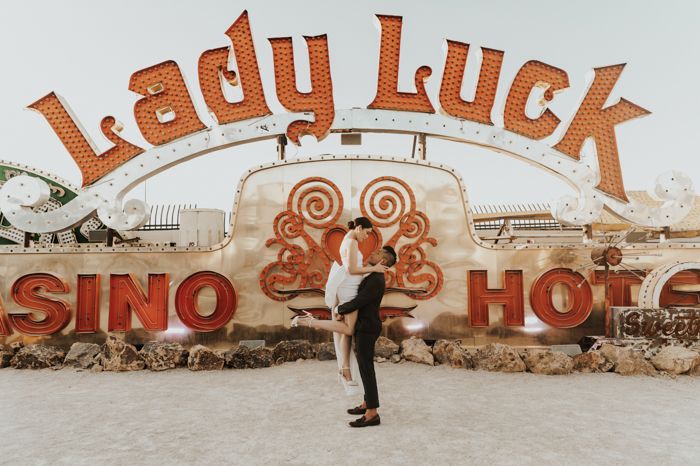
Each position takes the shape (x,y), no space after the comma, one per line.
(118,355)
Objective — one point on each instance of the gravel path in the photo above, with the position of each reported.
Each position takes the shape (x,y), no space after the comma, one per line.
(294,414)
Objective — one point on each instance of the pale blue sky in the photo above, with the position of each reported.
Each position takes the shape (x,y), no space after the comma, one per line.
(87,50)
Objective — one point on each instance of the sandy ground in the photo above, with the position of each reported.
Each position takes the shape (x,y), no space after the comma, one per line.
(295,413)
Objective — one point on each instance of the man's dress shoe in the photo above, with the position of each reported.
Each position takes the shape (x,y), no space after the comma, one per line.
(362,422)
(357,410)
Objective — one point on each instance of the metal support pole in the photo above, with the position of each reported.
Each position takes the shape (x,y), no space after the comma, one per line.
(281,146)
(421,147)
(27,239)
(110,237)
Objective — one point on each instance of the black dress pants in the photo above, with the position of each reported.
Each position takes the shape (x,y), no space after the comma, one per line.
(364,349)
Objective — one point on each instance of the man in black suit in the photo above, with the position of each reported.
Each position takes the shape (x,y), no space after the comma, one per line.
(367,330)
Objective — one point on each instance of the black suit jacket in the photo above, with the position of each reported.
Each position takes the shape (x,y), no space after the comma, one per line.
(369,297)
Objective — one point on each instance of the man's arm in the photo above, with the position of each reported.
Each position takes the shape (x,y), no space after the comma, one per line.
(370,292)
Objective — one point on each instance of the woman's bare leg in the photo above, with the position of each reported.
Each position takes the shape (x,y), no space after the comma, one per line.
(345,348)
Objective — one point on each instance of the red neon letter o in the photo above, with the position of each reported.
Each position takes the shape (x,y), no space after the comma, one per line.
(186,301)
(581,298)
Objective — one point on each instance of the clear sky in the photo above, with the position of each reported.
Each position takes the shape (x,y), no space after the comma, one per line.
(86,50)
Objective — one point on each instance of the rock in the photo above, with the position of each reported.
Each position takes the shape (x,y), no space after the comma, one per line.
(415,349)
(120,356)
(612,353)
(548,362)
(695,370)
(627,361)
(260,357)
(37,357)
(6,355)
(497,357)
(83,355)
(237,358)
(379,359)
(452,353)
(242,357)
(633,363)
(159,356)
(290,351)
(395,358)
(325,351)
(385,348)
(15,346)
(96,368)
(674,360)
(204,359)
(593,361)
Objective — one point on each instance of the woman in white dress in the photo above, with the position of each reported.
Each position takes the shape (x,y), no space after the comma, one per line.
(341,287)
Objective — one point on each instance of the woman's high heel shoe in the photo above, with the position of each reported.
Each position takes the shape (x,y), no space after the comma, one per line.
(298,320)
(342,378)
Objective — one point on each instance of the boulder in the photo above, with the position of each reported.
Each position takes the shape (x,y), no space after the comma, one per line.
(16,346)
(548,362)
(385,348)
(82,355)
(325,351)
(415,349)
(243,357)
(674,359)
(451,353)
(6,355)
(260,357)
(593,361)
(159,356)
(288,351)
(119,356)
(633,363)
(695,370)
(627,361)
(38,357)
(395,358)
(613,353)
(204,359)
(497,357)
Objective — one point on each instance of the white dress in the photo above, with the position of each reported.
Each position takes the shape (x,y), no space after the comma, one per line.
(341,287)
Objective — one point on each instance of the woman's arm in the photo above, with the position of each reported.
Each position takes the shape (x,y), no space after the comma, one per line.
(346,326)
(353,268)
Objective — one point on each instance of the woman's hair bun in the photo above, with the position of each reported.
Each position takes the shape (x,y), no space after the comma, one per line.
(351,225)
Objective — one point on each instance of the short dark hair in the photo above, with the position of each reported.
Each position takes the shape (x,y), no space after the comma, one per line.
(363,222)
(389,250)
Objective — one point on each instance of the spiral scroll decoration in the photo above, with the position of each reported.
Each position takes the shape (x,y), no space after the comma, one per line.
(318,203)
(317,200)
(314,202)
(385,200)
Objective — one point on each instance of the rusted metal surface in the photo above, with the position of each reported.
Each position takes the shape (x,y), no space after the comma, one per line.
(92,166)
(654,324)
(593,120)
(214,75)
(265,193)
(166,111)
